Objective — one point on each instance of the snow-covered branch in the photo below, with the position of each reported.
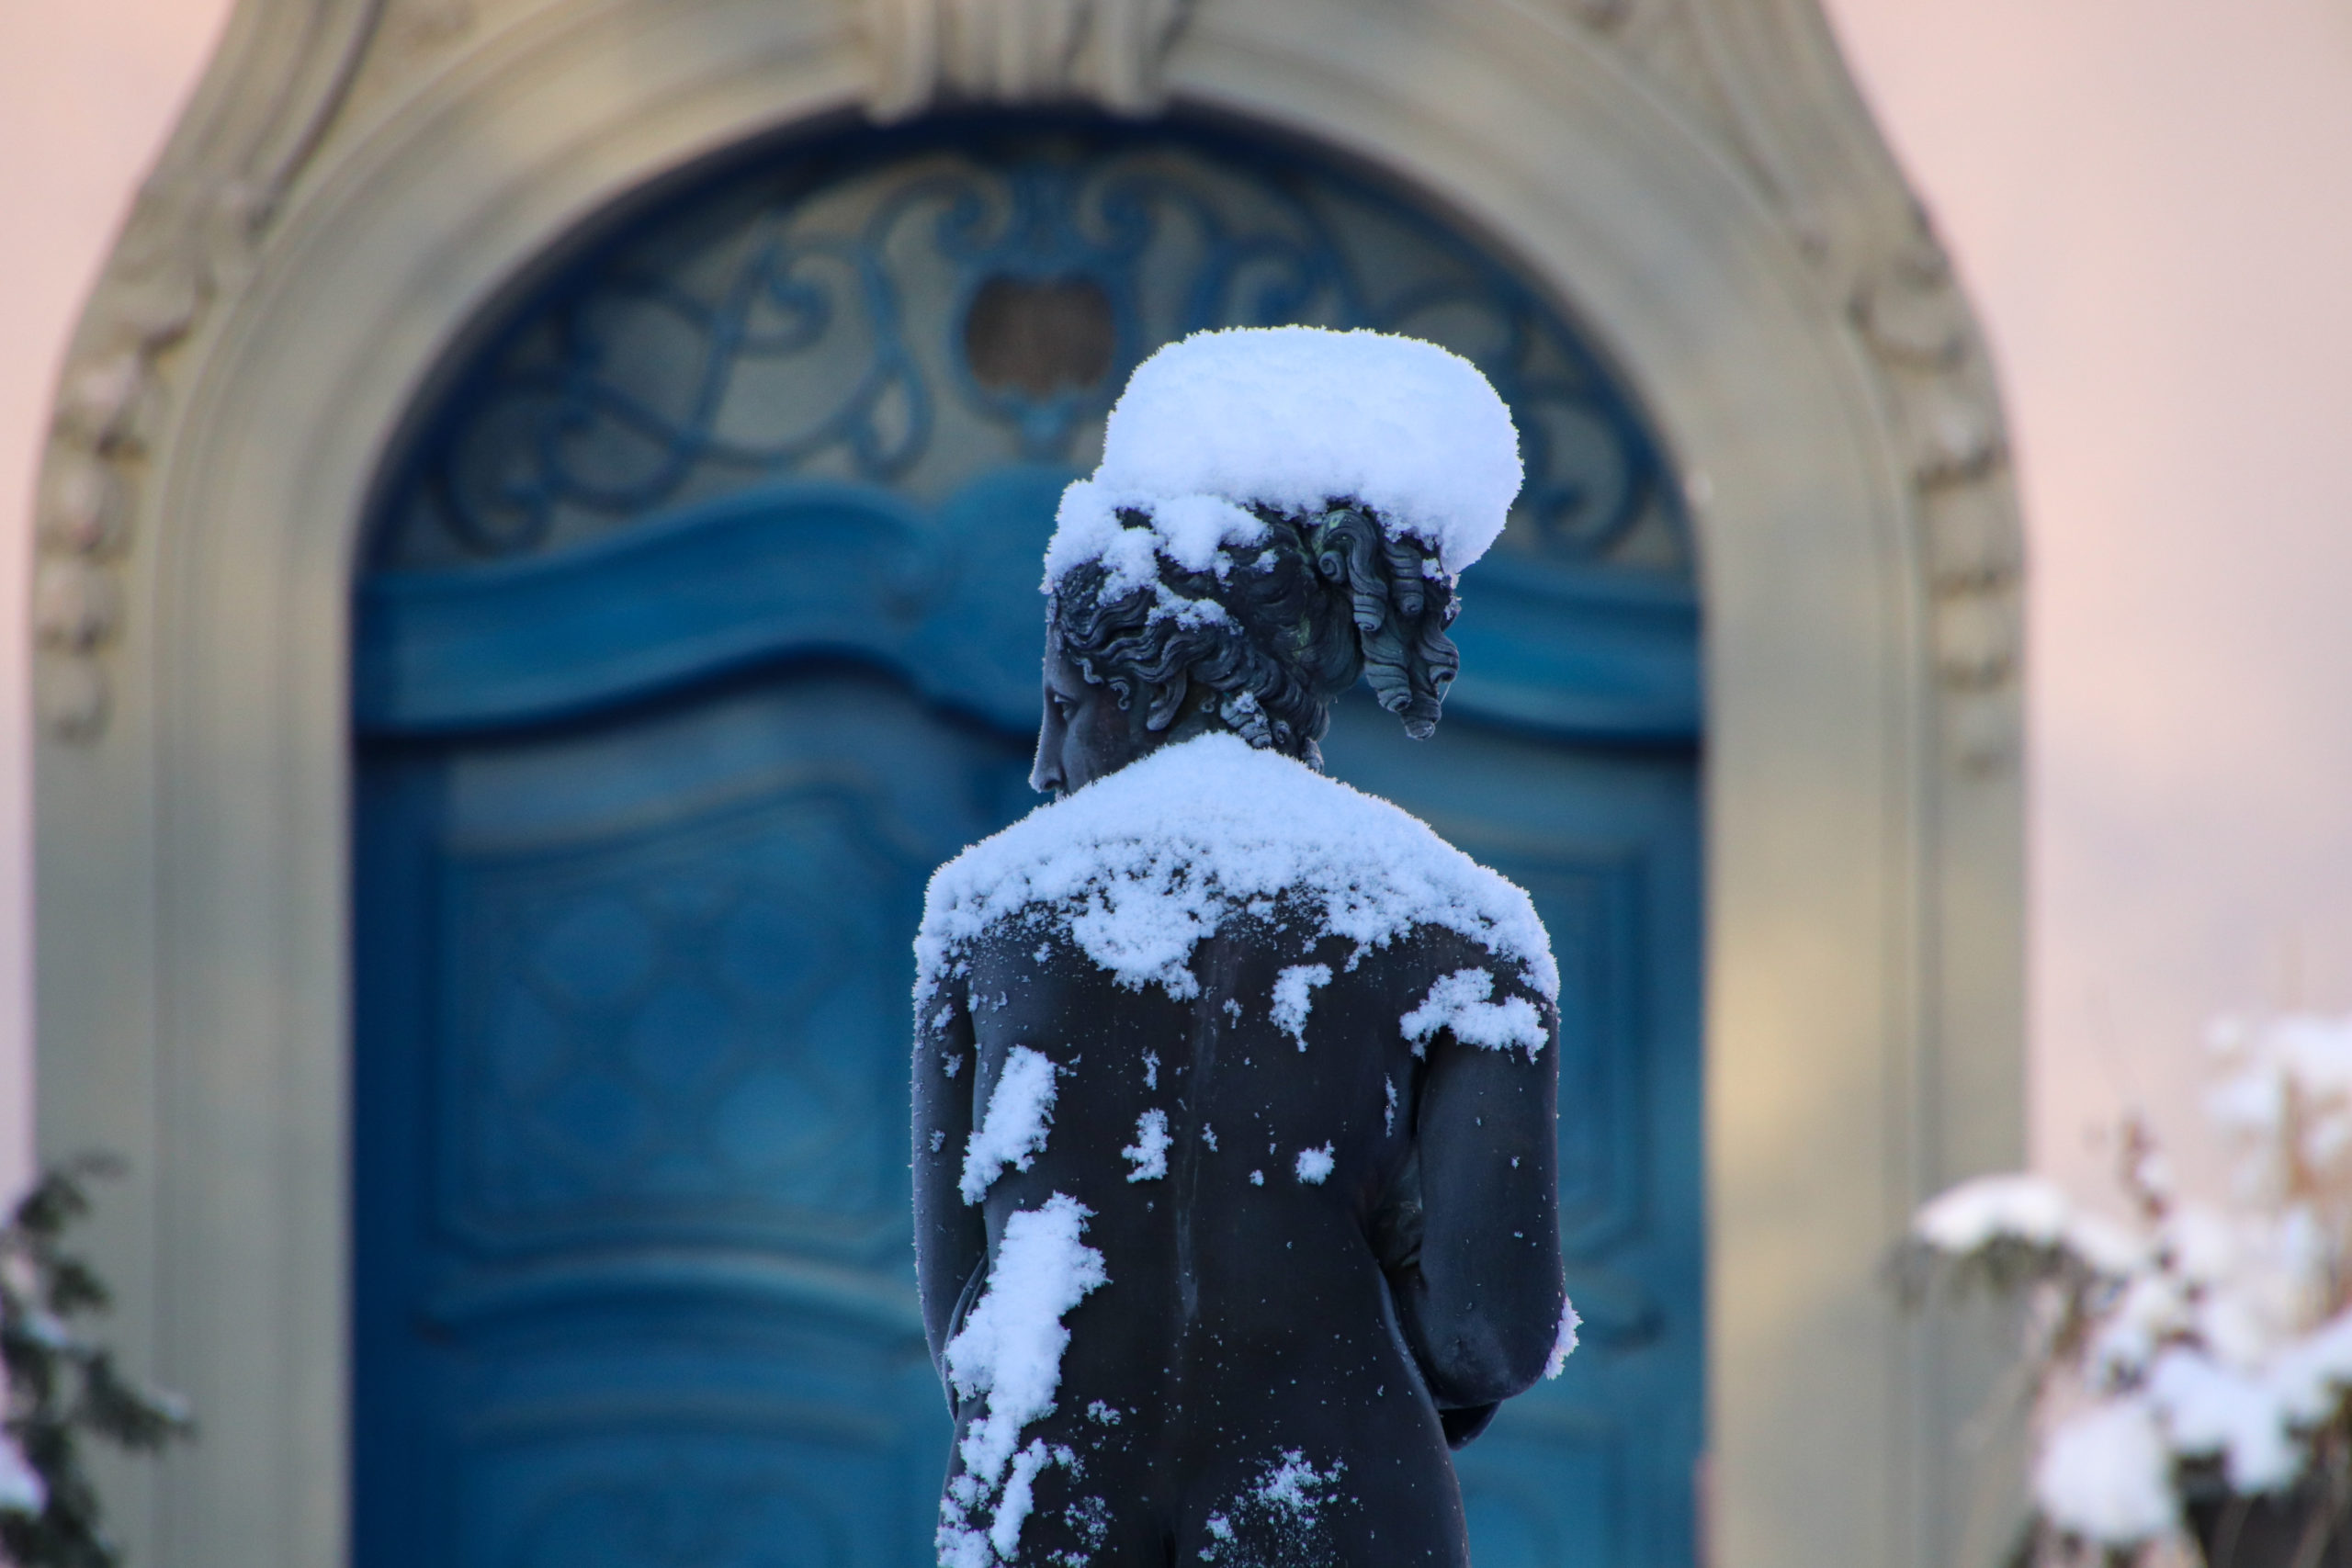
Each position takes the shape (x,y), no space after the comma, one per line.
(2190,1344)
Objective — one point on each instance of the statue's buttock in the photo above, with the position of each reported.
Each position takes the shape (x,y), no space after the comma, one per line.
(1234,1086)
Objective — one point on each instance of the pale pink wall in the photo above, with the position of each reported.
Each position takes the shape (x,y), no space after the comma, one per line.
(2151,203)
(88,89)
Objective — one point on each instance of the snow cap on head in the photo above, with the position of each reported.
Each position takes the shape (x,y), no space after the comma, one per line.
(1294,418)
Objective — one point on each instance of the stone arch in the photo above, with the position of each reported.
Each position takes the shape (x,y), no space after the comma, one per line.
(358,177)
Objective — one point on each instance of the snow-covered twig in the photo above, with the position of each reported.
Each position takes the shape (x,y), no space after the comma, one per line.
(2194,1348)
(63,1384)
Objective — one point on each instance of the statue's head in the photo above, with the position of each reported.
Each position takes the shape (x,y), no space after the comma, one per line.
(1261,643)
(1279,513)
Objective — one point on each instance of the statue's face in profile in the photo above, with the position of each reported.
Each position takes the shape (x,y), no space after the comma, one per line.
(1085,733)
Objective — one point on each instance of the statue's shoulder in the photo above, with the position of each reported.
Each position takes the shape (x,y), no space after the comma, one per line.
(1147,862)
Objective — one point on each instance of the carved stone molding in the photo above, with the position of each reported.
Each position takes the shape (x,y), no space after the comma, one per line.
(192,237)
(1018,51)
(1853,217)
(1910,312)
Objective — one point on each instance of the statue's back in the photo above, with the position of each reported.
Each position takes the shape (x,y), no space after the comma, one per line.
(1237,1158)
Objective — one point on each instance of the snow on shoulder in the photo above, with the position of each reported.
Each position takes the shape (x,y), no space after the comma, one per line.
(1458,1001)
(1143,864)
(1294,418)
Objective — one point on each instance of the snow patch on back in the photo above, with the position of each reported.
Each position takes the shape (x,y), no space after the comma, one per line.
(1148,1153)
(1294,995)
(1009,1349)
(1019,1496)
(1020,1114)
(1314,1165)
(1144,864)
(1295,1486)
(1294,418)
(1458,1002)
(1278,1518)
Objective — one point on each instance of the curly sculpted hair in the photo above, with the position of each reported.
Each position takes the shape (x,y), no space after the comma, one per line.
(1276,633)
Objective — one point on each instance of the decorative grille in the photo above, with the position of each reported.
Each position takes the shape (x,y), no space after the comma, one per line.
(911,309)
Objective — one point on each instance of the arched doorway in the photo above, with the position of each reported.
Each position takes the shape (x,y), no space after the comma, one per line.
(355,185)
(699,622)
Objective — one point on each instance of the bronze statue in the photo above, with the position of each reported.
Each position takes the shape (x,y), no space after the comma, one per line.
(1233,1088)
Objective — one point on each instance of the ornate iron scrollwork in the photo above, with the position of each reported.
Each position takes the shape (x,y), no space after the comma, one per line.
(910,308)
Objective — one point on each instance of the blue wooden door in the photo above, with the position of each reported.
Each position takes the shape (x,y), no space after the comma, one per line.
(700,624)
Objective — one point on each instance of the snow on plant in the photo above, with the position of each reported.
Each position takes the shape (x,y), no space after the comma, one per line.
(22,1490)
(61,1384)
(2199,1347)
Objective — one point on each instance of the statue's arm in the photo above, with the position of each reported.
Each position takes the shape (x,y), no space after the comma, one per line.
(1481,1305)
(950,1236)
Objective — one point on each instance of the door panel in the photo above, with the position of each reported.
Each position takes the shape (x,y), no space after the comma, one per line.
(644,1219)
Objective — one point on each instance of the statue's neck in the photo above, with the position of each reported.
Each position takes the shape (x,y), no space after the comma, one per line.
(1199,717)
